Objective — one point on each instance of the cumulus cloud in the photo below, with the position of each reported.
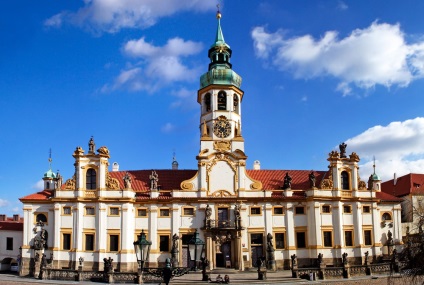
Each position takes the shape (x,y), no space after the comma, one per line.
(376,55)
(167,128)
(39,185)
(114,15)
(396,147)
(156,65)
(3,203)
(342,6)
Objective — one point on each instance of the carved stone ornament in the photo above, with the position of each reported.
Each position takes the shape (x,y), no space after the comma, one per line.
(327,183)
(362,185)
(186,185)
(104,151)
(78,151)
(222,145)
(354,157)
(334,154)
(257,185)
(221,193)
(111,183)
(70,183)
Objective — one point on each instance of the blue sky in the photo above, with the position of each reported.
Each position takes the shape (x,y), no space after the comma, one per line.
(315,74)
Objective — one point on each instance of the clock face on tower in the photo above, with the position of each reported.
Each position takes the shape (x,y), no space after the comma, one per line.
(222,128)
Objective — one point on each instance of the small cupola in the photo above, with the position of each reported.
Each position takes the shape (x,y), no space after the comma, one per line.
(174,163)
(374,181)
(49,176)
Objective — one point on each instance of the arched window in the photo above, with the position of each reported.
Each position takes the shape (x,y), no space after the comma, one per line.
(47,185)
(207,102)
(386,217)
(91,179)
(41,218)
(222,101)
(345,180)
(236,103)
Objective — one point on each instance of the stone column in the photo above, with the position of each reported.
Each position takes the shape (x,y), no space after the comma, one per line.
(209,251)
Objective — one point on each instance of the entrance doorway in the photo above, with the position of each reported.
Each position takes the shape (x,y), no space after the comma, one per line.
(223,258)
(256,246)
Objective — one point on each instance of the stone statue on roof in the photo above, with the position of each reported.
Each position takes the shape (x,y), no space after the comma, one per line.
(312,180)
(91,145)
(287,181)
(342,148)
(154,178)
(127,180)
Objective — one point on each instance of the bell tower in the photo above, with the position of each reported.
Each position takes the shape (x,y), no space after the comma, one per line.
(220,99)
(221,160)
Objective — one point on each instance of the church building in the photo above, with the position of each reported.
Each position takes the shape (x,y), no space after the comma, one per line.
(241,214)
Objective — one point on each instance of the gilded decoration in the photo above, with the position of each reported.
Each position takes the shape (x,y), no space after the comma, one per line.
(78,151)
(221,157)
(111,183)
(221,193)
(257,185)
(354,157)
(327,183)
(203,151)
(222,145)
(70,183)
(186,185)
(103,151)
(333,155)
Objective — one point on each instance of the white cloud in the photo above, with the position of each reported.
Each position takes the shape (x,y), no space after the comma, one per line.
(342,6)
(114,15)
(4,203)
(167,128)
(377,55)
(157,66)
(397,147)
(186,99)
(39,185)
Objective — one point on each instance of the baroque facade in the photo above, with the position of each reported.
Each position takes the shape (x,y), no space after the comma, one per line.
(241,214)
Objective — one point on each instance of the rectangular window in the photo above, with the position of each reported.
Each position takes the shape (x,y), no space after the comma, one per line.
(114,211)
(256,239)
(301,239)
(9,243)
(348,238)
(299,210)
(188,211)
(367,237)
(164,243)
(66,210)
(142,212)
(328,238)
(326,209)
(89,242)
(279,240)
(66,244)
(278,211)
(255,210)
(366,209)
(113,242)
(347,209)
(164,213)
(89,211)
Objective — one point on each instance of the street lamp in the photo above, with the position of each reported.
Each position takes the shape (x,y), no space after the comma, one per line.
(196,248)
(142,249)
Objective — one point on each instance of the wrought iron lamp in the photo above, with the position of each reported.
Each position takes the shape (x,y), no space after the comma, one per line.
(142,249)
(196,248)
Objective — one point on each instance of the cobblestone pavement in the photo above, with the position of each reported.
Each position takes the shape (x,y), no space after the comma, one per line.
(282,277)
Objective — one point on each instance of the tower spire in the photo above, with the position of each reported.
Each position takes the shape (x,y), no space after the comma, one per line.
(50,158)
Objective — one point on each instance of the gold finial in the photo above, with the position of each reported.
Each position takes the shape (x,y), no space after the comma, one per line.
(218,13)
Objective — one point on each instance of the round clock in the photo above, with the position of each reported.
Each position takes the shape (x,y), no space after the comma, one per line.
(222,128)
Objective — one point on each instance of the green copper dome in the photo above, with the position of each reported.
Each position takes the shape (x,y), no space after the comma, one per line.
(49,174)
(220,71)
(375,177)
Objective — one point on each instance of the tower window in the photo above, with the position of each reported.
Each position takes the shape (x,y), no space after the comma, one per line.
(345,180)
(91,179)
(47,185)
(222,101)
(207,102)
(236,103)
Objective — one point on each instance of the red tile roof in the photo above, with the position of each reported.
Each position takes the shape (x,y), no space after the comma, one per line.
(12,226)
(43,195)
(274,179)
(387,197)
(168,179)
(410,183)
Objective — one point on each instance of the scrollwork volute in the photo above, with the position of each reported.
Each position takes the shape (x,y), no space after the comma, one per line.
(111,183)
(70,184)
